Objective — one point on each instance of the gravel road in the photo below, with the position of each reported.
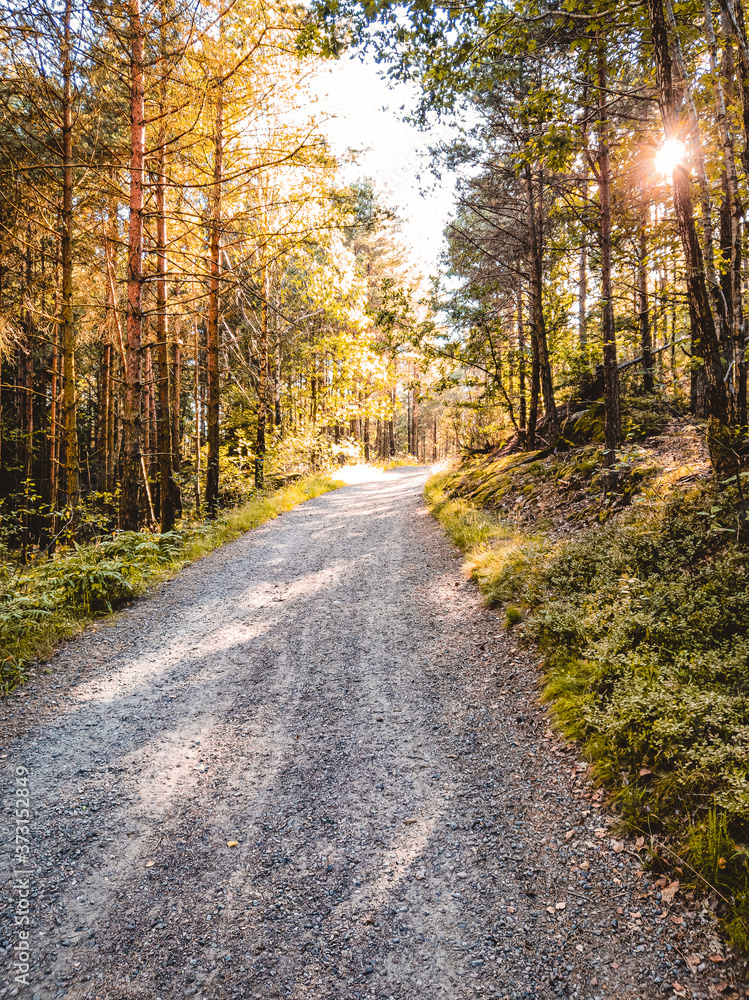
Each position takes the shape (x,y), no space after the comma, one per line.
(314,766)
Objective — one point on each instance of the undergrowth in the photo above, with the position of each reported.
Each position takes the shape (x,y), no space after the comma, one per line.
(50,601)
(644,629)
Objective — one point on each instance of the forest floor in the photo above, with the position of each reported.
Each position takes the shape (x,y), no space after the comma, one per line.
(314,766)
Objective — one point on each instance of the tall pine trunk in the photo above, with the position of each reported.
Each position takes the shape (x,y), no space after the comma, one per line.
(69,416)
(167,486)
(262,388)
(612,422)
(705,335)
(521,355)
(212,327)
(132,458)
(541,360)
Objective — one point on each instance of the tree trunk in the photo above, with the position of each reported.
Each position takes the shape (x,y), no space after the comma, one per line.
(132,459)
(54,436)
(415,423)
(612,428)
(643,302)
(196,403)
(408,421)
(163,417)
(734,11)
(521,355)
(27,380)
(69,416)
(176,404)
(582,283)
(701,316)
(104,409)
(733,205)
(262,389)
(277,415)
(212,328)
(538,325)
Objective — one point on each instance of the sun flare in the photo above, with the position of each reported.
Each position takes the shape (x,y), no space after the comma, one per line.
(669,156)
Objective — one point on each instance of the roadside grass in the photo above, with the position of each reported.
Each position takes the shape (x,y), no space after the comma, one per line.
(43,604)
(643,625)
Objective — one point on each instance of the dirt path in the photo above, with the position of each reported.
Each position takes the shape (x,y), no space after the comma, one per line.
(328,693)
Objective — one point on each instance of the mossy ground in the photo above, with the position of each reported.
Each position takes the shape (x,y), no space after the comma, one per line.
(643,623)
(42,604)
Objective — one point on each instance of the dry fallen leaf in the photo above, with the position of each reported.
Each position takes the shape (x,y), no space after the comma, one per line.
(617,846)
(600,833)
(669,891)
(676,920)
(231,843)
(640,842)
(569,835)
(585,865)
(561,905)
(150,864)
(645,771)
(679,989)
(716,958)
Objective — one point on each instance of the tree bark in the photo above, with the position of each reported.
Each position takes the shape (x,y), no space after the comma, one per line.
(176,405)
(132,459)
(212,328)
(538,324)
(262,389)
(643,303)
(702,320)
(612,423)
(521,355)
(54,436)
(196,404)
(733,205)
(69,414)
(167,486)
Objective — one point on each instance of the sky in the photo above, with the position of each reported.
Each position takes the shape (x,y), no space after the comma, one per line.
(365,115)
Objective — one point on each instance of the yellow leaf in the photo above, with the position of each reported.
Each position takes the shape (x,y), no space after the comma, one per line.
(232,843)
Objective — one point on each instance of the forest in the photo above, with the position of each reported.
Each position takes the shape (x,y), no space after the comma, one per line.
(202,317)
(192,301)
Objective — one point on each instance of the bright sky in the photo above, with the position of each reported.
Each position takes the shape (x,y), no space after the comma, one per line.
(368,118)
